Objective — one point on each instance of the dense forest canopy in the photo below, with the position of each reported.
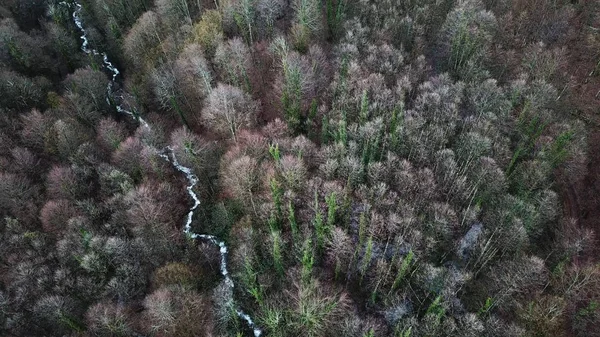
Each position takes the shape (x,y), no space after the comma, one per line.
(359,168)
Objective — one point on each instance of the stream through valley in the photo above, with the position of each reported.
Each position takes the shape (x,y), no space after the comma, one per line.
(114,97)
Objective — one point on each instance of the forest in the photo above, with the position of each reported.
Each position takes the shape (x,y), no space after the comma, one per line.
(275,168)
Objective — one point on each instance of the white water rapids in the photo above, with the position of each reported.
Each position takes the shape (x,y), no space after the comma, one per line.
(168,155)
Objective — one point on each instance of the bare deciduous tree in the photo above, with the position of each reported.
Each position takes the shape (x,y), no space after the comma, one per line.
(233,60)
(228,110)
(109,319)
(142,44)
(178,312)
(194,76)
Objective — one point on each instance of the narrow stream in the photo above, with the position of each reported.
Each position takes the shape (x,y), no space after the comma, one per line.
(167,154)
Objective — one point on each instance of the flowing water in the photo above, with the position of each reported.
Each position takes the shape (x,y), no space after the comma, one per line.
(167,154)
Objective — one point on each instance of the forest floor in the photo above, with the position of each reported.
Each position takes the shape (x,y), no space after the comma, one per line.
(581,197)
